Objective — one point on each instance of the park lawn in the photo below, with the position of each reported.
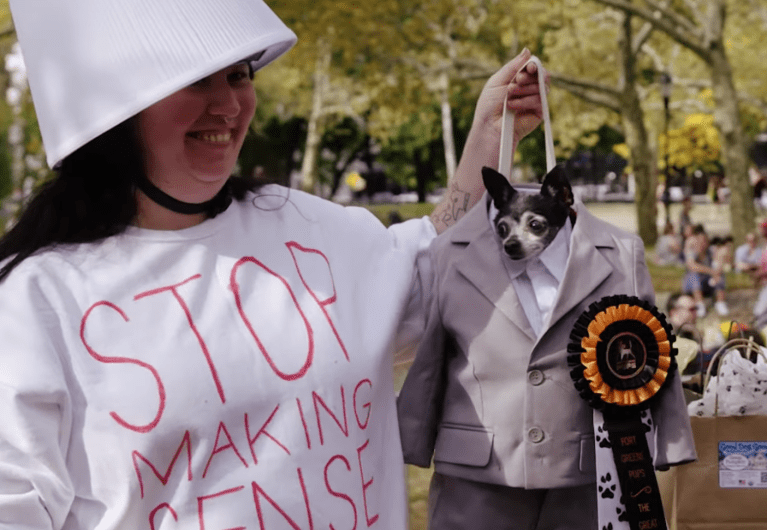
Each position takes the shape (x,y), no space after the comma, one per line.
(408,210)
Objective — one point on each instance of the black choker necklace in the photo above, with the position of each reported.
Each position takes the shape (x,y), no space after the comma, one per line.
(213,207)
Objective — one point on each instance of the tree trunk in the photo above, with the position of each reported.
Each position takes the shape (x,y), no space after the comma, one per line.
(644,177)
(735,150)
(423,160)
(635,132)
(314,126)
(448,138)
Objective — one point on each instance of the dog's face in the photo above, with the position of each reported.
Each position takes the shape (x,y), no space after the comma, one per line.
(527,223)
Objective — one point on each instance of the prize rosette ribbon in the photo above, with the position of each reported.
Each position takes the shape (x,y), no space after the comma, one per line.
(621,354)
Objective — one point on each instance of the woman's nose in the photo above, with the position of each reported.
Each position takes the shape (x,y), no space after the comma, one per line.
(223,101)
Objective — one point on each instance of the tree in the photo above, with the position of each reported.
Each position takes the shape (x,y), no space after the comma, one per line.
(400,57)
(619,95)
(699,26)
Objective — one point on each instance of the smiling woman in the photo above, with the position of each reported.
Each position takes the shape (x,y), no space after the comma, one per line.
(190,141)
(180,347)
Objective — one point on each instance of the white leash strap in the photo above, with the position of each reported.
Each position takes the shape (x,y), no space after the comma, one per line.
(507,128)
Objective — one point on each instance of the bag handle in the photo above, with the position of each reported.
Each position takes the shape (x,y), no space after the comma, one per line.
(507,127)
(727,348)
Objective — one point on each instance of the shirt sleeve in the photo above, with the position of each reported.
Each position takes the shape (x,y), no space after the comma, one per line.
(35,487)
(417,234)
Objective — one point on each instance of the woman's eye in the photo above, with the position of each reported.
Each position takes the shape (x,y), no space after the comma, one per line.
(240,75)
(236,78)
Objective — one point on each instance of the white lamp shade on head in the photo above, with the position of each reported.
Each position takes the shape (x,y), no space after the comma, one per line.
(92,64)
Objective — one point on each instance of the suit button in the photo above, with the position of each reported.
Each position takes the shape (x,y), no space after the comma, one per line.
(535,435)
(535,377)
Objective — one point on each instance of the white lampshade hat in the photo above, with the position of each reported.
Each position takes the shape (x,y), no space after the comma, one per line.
(92,64)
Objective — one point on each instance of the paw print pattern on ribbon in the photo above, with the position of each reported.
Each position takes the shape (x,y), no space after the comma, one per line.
(607,488)
(646,421)
(601,438)
(622,514)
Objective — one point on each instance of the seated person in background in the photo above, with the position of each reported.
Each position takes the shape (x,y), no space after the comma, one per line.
(668,247)
(682,312)
(748,255)
(720,250)
(701,278)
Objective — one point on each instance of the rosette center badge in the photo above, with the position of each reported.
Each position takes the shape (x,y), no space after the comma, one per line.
(626,356)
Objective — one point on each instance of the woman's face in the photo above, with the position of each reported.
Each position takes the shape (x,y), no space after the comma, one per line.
(191,139)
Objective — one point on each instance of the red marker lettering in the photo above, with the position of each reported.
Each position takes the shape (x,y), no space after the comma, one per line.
(118,360)
(303,422)
(217,449)
(293,247)
(365,485)
(173,289)
(262,430)
(338,494)
(365,406)
(318,400)
(159,507)
(201,500)
(309,331)
(164,478)
(259,492)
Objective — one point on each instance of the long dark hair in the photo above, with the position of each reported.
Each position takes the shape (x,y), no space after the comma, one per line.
(92,197)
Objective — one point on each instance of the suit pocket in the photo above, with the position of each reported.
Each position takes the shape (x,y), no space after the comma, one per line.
(588,455)
(464,445)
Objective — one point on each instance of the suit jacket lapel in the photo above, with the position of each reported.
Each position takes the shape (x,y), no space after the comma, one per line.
(480,263)
(586,268)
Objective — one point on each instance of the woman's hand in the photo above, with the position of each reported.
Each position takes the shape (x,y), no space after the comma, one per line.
(483,143)
(520,85)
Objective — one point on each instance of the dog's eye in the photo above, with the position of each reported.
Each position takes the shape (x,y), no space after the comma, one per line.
(503,230)
(536,225)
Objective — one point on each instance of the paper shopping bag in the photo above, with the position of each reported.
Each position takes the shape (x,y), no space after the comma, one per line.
(726,489)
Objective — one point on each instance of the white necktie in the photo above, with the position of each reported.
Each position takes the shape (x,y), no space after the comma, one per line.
(545,287)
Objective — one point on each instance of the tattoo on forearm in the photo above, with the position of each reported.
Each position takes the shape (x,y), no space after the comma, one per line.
(452,208)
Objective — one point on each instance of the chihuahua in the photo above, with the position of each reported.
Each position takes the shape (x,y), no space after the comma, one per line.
(528,222)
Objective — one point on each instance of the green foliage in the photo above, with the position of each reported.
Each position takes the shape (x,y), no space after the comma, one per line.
(532,151)
(271,148)
(6,178)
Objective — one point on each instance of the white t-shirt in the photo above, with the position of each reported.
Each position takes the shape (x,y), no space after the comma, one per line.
(236,374)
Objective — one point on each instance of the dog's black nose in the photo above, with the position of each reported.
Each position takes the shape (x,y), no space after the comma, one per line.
(513,249)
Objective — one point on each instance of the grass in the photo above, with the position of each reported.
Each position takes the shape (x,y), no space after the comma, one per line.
(406,211)
(418,493)
(668,278)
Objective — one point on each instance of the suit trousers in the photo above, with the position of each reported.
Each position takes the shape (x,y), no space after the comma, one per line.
(459,504)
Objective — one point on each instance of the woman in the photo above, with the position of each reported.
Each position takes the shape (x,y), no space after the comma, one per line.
(181,348)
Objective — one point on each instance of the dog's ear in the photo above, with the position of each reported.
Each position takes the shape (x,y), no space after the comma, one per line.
(498,187)
(556,185)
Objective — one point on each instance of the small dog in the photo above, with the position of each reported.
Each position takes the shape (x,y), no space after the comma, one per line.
(527,222)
